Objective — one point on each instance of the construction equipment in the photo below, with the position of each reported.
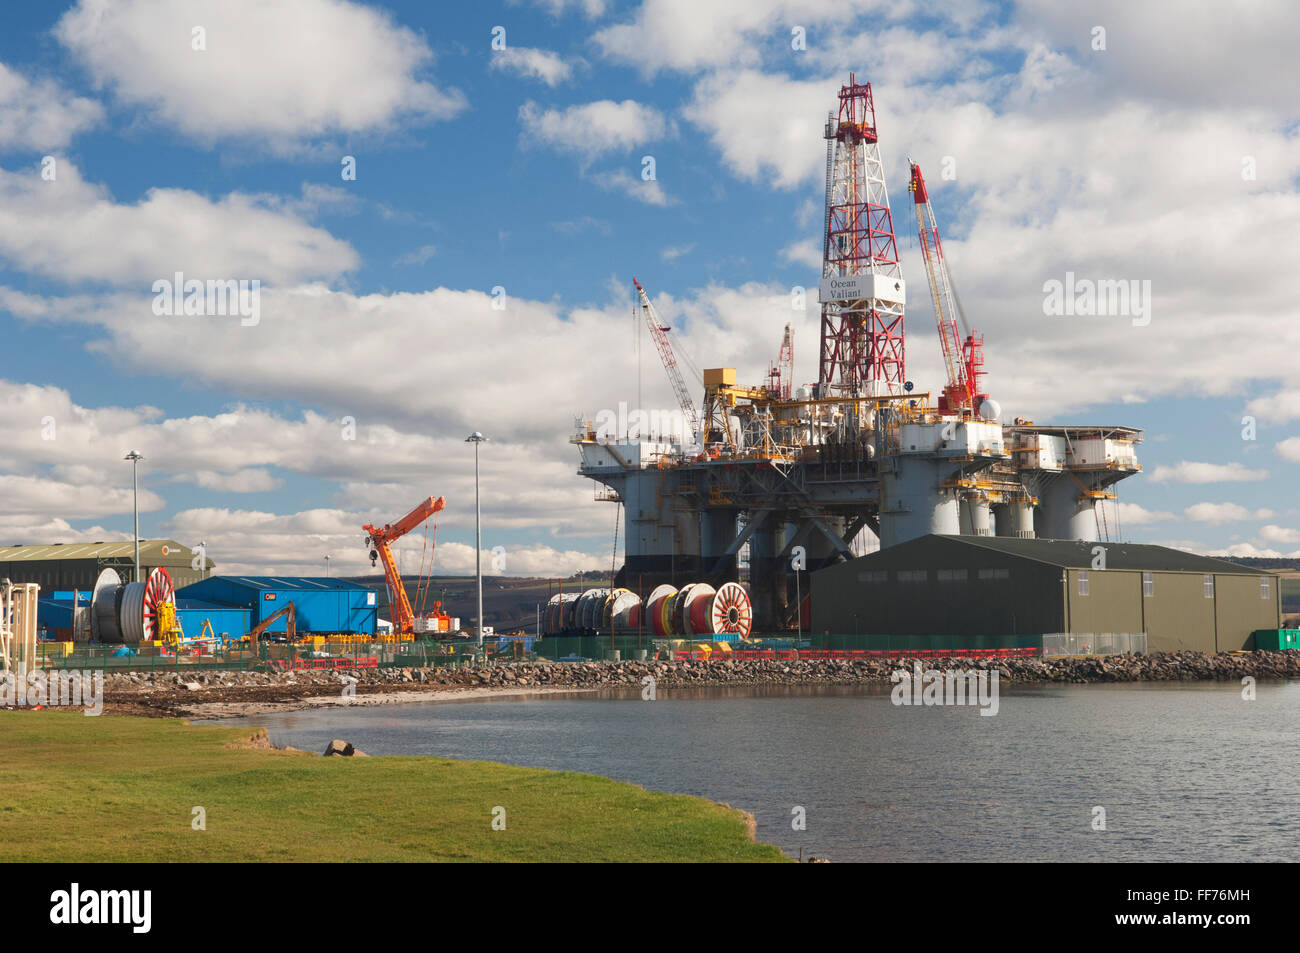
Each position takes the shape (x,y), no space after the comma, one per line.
(781,372)
(963,356)
(659,332)
(290,626)
(380,541)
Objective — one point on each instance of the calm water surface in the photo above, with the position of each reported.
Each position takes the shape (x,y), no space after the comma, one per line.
(1184,772)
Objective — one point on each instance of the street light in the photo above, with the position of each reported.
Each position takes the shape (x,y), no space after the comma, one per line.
(135,459)
(327,565)
(476,438)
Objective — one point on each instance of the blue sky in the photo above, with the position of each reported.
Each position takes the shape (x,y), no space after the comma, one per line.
(521,168)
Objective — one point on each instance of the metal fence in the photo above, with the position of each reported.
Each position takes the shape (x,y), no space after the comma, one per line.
(152,657)
(1094,643)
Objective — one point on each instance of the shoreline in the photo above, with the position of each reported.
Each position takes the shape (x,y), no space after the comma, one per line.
(231,693)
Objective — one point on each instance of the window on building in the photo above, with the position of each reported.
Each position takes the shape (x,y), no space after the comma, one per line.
(1263,587)
(913,575)
(1083,582)
(987,574)
(953,575)
(1148,584)
(1209,587)
(874,576)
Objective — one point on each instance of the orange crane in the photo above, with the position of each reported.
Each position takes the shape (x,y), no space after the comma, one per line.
(380,541)
(964,358)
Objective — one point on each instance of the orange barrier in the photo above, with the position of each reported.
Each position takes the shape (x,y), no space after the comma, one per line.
(325,664)
(750,655)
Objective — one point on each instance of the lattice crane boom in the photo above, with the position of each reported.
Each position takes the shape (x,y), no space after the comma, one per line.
(963,357)
(660,335)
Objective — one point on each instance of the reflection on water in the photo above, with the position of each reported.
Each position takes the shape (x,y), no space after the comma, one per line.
(1185,772)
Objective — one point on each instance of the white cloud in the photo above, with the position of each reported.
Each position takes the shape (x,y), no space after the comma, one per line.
(807,253)
(592,129)
(1250,550)
(40,114)
(1224,513)
(648,191)
(1289,449)
(74,231)
(673,252)
(550,68)
(1191,472)
(1131,514)
(252,480)
(280,74)
(1282,406)
(766,127)
(1278,534)
(417,257)
(31,495)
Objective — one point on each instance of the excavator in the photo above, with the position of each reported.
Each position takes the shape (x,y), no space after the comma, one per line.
(380,541)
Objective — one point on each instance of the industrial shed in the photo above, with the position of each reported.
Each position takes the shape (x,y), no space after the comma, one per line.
(77,565)
(993,585)
(320,604)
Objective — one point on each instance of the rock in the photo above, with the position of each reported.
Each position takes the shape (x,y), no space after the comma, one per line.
(191,686)
(339,747)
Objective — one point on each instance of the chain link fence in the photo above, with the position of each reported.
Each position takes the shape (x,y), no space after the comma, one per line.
(1094,643)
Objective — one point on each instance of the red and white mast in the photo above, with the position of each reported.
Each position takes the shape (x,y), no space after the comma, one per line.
(862,288)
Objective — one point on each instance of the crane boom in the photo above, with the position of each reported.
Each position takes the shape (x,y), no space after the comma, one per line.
(660,335)
(963,358)
(381,541)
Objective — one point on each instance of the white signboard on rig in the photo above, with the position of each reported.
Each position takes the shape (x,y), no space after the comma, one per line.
(863,288)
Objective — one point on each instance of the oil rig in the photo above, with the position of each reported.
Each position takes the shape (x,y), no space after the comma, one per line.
(794,475)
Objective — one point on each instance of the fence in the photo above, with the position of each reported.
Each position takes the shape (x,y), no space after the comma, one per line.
(155,657)
(1094,643)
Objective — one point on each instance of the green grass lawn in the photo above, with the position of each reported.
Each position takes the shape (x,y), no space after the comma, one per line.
(123,789)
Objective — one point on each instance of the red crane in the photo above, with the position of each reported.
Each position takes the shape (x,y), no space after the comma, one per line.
(660,334)
(963,357)
(380,541)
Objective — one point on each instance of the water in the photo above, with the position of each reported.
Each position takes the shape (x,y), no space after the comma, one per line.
(1188,772)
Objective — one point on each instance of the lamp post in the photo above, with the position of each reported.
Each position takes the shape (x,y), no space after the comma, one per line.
(327,565)
(476,438)
(135,459)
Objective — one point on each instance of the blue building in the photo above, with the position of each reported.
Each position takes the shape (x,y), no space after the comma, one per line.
(321,605)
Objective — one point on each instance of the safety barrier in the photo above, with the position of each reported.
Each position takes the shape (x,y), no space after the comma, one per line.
(325,664)
(747,655)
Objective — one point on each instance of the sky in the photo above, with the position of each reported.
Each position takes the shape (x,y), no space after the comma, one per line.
(444,207)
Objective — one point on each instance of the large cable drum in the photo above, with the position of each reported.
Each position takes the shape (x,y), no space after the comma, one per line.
(622,610)
(730,611)
(681,604)
(139,607)
(656,606)
(589,606)
(696,614)
(103,608)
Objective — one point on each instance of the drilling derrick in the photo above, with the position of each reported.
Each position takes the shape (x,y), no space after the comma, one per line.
(862,288)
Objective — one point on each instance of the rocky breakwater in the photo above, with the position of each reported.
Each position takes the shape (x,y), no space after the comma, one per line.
(172,693)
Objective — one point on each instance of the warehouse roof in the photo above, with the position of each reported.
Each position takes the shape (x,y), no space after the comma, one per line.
(306,583)
(1078,554)
(151,550)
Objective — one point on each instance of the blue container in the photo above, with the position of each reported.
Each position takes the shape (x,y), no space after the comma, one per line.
(321,605)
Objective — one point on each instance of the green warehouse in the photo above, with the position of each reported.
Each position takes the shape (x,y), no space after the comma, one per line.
(994,585)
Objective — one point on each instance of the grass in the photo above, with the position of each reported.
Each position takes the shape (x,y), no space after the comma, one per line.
(123,789)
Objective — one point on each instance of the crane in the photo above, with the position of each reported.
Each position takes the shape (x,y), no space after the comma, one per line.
(380,541)
(660,334)
(781,373)
(963,357)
